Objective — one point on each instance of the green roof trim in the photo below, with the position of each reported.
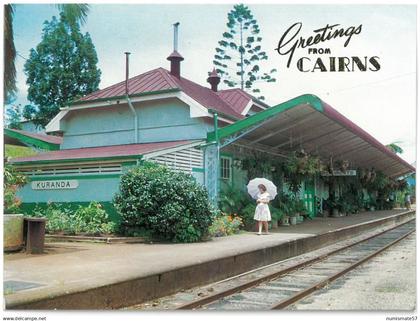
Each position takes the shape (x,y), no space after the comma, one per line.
(148,93)
(74,160)
(27,140)
(264,115)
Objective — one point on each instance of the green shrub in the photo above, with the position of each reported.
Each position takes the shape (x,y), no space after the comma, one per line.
(90,220)
(284,203)
(300,206)
(12,181)
(276,213)
(58,218)
(247,215)
(233,200)
(224,225)
(170,204)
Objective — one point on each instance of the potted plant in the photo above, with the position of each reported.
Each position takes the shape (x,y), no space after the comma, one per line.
(292,211)
(332,205)
(372,205)
(300,209)
(325,208)
(284,204)
(293,218)
(12,220)
(276,215)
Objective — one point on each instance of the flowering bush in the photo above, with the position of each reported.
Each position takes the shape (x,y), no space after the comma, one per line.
(224,225)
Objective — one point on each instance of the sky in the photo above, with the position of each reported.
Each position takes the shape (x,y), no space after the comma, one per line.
(383,102)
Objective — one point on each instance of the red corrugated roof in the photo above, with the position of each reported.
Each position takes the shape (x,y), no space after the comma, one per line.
(153,80)
(46,138)
(101,152)
(206,97)
(161,79)
(236,98)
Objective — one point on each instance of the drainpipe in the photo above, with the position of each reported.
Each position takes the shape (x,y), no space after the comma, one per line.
(136,121)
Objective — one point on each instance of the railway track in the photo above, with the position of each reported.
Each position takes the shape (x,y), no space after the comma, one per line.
(287,286)
(284,286)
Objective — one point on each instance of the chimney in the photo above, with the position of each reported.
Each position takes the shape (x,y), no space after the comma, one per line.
(213,80)
(175,58)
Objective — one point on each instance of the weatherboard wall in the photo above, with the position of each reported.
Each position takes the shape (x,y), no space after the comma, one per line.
(90,189)
(163,120)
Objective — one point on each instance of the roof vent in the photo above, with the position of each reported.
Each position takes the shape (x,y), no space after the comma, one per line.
(175,58)
(213,80)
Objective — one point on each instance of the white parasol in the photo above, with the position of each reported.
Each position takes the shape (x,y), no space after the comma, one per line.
(253,187)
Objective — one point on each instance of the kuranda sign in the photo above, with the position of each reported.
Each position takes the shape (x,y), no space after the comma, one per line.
(56,184)
(322,58)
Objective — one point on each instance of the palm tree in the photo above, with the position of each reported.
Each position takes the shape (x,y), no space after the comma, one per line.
(74,12)
(9,54)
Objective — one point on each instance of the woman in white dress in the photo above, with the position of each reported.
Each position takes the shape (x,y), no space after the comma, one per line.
(262,212)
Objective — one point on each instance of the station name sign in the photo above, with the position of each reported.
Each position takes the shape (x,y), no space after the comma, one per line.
(350,172)
(56,184)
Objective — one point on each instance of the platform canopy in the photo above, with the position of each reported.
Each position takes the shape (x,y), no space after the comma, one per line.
(308,123)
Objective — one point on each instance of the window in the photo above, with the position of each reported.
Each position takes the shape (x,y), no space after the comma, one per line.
(225,168)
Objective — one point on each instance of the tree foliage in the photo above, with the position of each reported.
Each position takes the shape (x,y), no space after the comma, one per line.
(74,12)
(62,68)
(239,52)
(14,117)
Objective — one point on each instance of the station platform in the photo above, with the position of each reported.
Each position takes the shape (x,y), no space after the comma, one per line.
(109,276)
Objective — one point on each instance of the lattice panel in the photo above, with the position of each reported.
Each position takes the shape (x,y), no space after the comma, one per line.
(211,159)
(183,160)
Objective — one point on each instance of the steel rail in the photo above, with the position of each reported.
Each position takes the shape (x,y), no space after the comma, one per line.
(221,294)
(300,295)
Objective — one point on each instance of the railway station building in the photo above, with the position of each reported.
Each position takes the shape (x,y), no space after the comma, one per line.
(163,117)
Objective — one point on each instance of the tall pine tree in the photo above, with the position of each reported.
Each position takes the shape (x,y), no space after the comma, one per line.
(239,53)
(61,69)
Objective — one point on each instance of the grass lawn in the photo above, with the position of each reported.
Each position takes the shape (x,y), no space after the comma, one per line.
(13,151)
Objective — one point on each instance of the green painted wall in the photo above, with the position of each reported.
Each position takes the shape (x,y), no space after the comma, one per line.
(90,189)
(99,188)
